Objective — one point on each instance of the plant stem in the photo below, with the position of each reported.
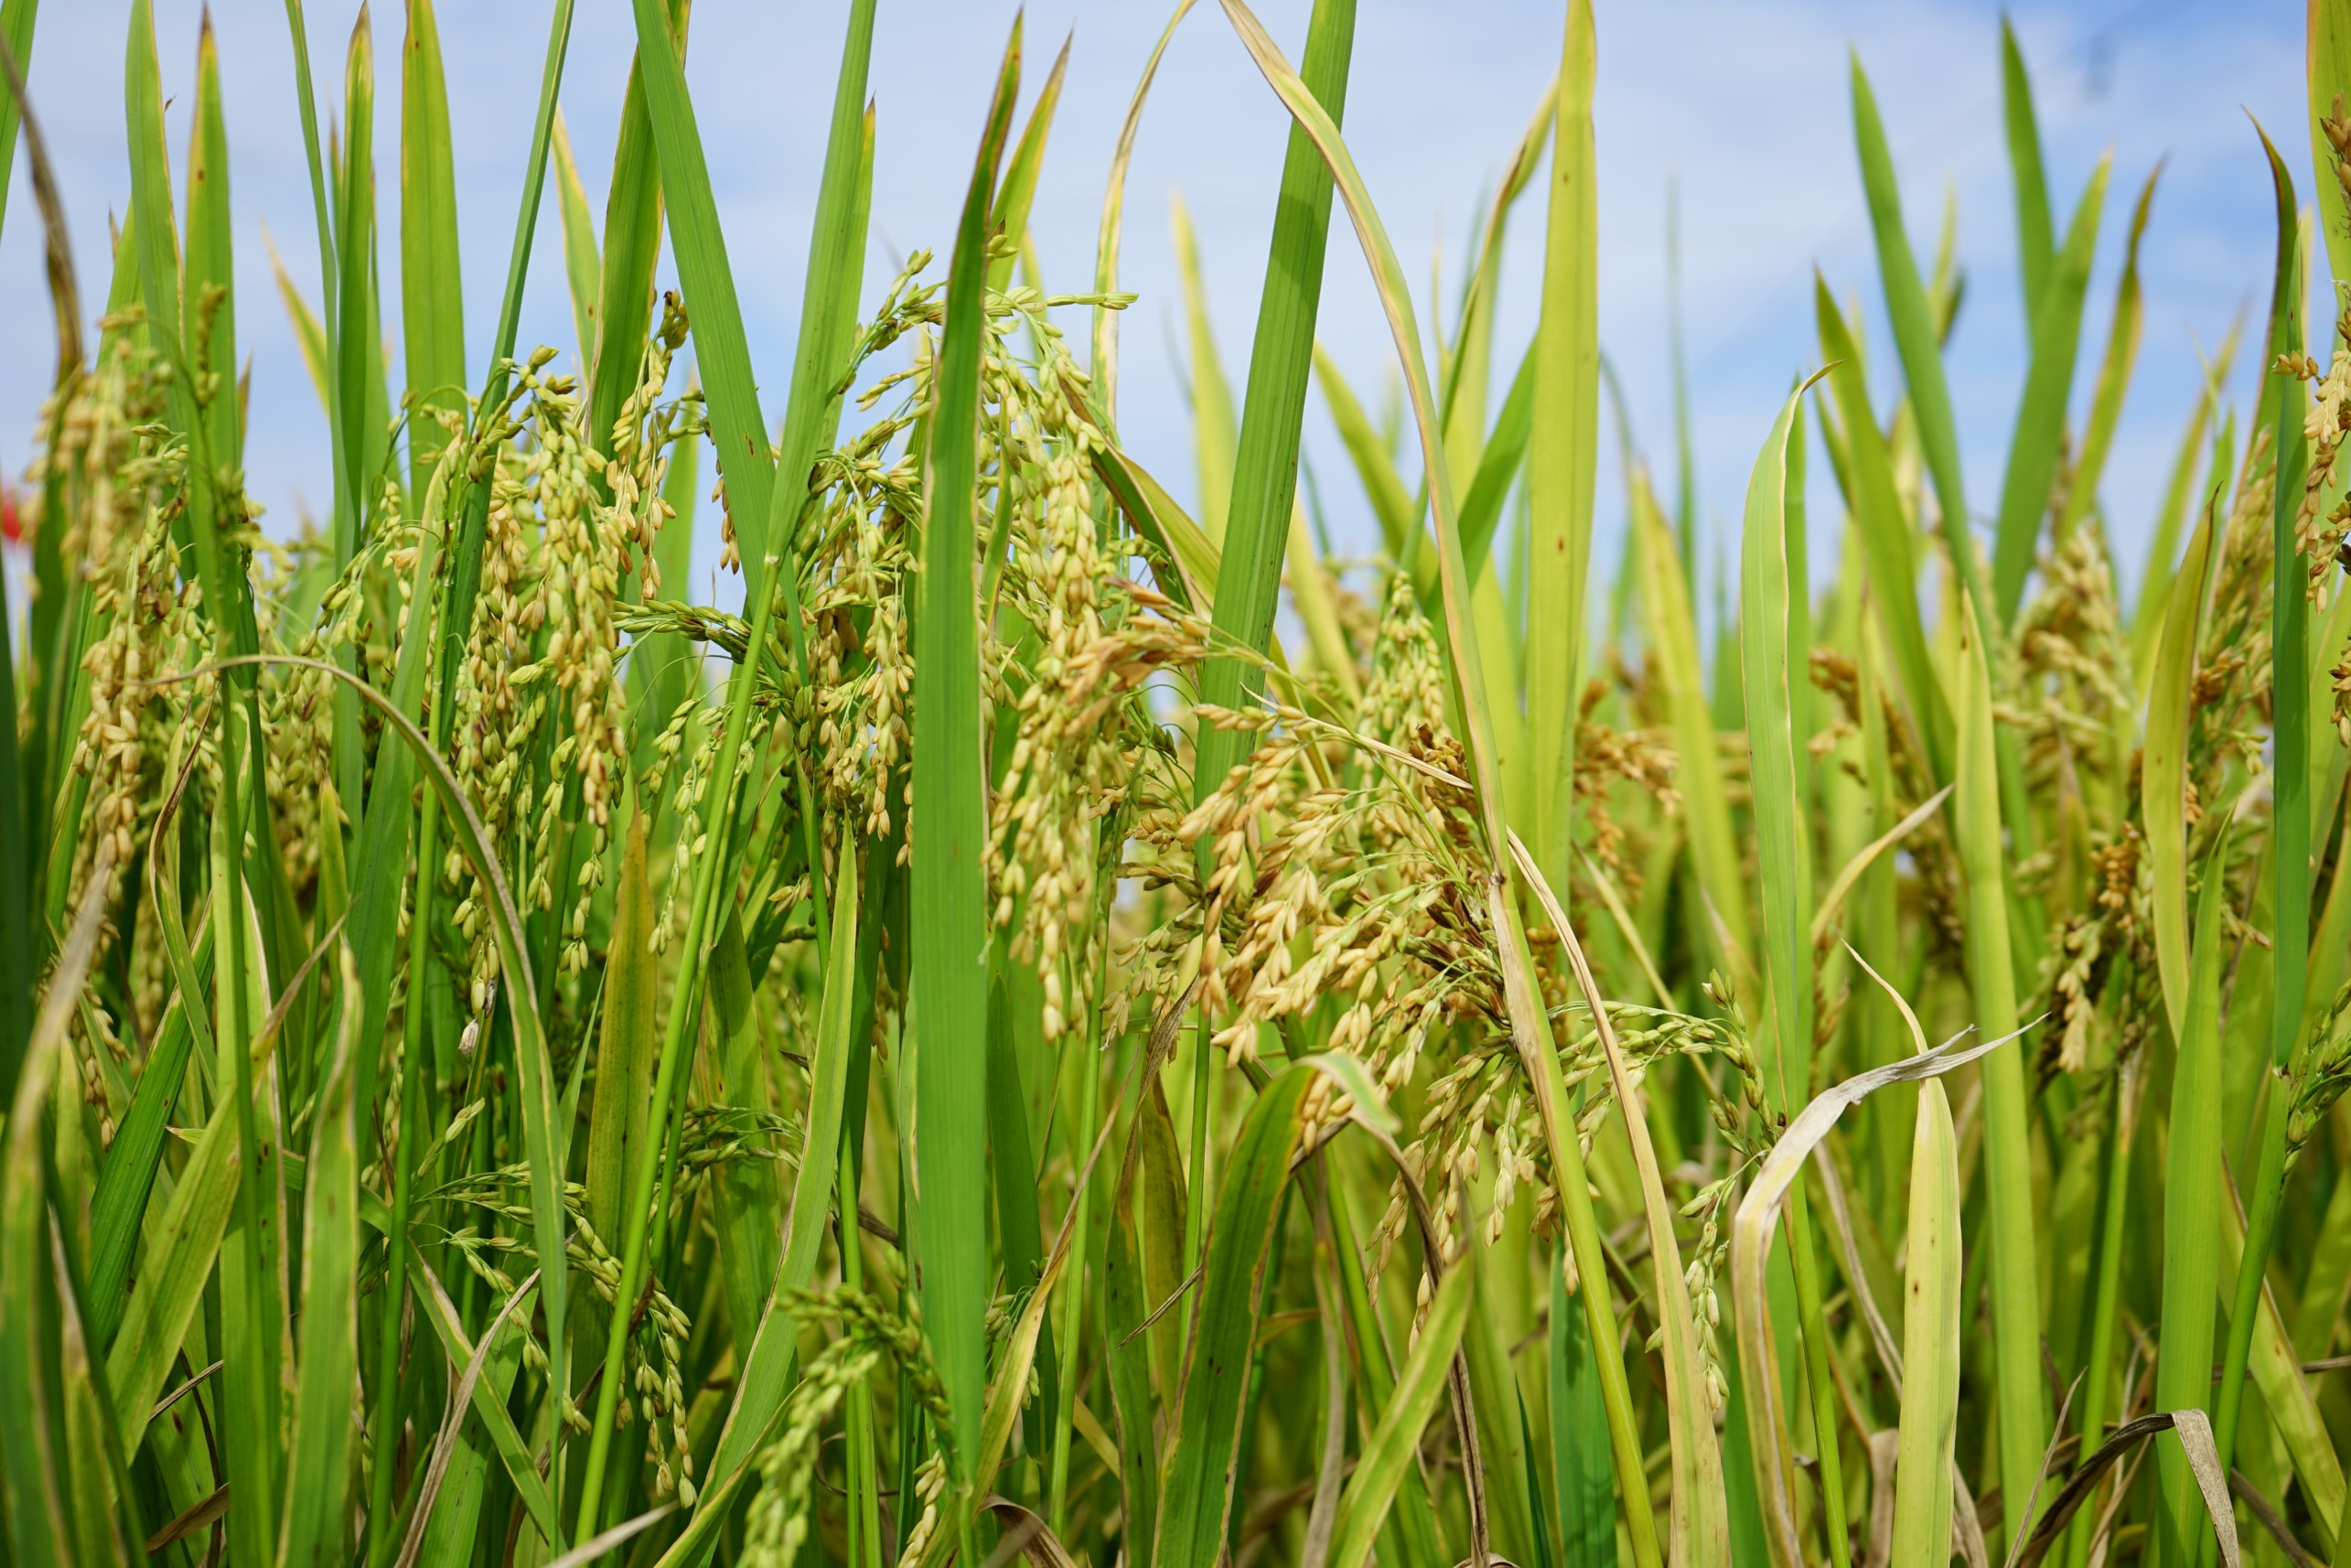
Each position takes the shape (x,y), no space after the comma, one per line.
(1073,1300)
(415,1065)
(2106,1291)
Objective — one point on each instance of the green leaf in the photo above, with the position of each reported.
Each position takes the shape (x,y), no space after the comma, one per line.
(1673,640)
(769,1349)
(1915,337)
(1153,511)
(535,1102)
(319,1456)
(1773,1182)
(1772,617)
(19,848)
(156,253)
(747,1206)
(1564,467)
(835,258)
(2329,68)
(1587,1503)
(1927,1445)
(1012,1162)
(2114,1217)
(1700,1522)
(1410,1535)
(1381,1467)
(2034,240)
(736,427)
(1685,493)
(1127,1349)
(357,367)
(534,1077)
(2113,371)
(384,831)
(1104,363)
(253,1253)
(1016,191)
(828,1075)
(1498,465)
(322,209)
(106,1513)
(827,319)
(210,268)
(1009,1391)
(33,1462)
(358,361)
(1783,853)
(469,1462)
(2179,494)
(251,1309)
(16,18)
(1469,367)
(632,246)
(950,910)
(1198,1490)
(748,475)
(1263,472)
(126,1182)
(179,1255)
(2276,1370)
(2023,1423)
(2040,429)
(2289,857)
(1392,503)
(1215,430)
(1884,529)
(310,332)
(2164,771)
(626,1043)
(583,267)
(1165,1204)
(432,284)
(2192,1200)
(385,826)
(2289,583)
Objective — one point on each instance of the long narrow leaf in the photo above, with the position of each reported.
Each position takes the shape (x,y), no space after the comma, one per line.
(2114,370)
(1930,1352)
(321,1453)
(1381,1469)
(1264,482)
(2025,493)
(1564,467)
(2288,869)
(432,292)
(2034,238)
(949,925)
(1198,1488)
(1915,338)
(2192,1199)
(2008,1156)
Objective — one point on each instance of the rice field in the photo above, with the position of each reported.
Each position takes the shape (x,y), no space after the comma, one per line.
(1073,1031)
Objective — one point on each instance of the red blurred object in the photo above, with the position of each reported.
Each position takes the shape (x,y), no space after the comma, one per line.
(12,521)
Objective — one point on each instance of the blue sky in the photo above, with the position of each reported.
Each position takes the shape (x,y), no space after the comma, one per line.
(1743,104)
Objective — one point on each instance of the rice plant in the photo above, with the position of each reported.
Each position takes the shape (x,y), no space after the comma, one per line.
(1012,1047)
